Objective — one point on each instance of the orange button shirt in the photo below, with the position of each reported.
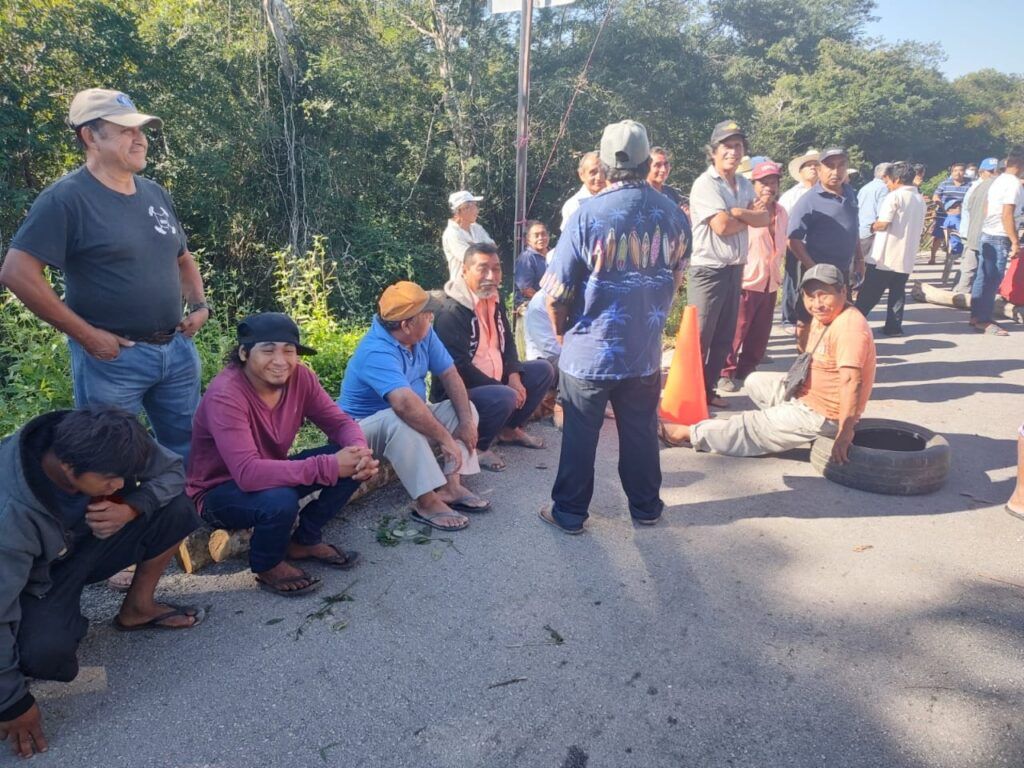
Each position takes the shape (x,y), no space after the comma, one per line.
(849,344)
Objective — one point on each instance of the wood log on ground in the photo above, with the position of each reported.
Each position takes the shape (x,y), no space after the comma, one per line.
(933,294)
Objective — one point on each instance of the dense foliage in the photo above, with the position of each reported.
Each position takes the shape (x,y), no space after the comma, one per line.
(338,127)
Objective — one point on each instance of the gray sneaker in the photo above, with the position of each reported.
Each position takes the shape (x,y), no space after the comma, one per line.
(726,385)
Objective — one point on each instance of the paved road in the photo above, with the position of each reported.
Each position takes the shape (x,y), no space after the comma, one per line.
(773,619)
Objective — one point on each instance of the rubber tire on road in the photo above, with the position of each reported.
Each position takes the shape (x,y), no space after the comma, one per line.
(896,473)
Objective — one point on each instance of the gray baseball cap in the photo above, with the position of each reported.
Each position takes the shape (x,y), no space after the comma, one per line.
(624,145)
(823,273)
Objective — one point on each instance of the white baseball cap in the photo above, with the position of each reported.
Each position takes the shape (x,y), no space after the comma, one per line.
(458,199)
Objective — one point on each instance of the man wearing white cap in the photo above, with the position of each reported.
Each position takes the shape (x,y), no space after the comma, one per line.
(127,271)
(462,230)
(803,169)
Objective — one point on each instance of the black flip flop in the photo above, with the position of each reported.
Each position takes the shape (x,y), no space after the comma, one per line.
(1012,511)
(462,506)
(176,610)
(343,560)
(429,520)
(544,513)
(313,586)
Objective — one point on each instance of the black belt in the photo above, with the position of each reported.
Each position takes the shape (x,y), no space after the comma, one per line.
(160,337)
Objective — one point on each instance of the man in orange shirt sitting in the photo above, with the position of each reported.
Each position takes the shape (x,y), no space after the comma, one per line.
(831,398)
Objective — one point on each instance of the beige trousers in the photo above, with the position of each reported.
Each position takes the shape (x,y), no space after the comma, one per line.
(778,425)
(411,453)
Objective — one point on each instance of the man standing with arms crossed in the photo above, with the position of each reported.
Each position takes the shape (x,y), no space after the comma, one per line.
(126,265)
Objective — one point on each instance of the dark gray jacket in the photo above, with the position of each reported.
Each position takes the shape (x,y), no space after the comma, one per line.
(32,537)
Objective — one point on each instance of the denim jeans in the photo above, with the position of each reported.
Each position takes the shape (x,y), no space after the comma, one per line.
(271,513)
(635,402)
(992,259)
(162,379)
(496,403)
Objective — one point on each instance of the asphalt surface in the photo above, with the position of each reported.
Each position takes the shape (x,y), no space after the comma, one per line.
(772,619)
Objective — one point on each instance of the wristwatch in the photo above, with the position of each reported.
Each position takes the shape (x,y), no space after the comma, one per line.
(199,305)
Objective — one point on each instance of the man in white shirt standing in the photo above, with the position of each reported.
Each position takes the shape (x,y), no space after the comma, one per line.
(999,241)
(462,230)
(804,171)
(592,176)
(897,232)
(869,202)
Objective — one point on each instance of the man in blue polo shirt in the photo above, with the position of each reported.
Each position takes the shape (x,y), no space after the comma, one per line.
(610,285)
(824,227)
(954,187)
(384,389)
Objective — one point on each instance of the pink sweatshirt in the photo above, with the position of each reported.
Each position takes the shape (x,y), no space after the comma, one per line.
(236,436)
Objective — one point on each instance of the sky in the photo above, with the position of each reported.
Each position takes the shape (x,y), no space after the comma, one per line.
(950,22)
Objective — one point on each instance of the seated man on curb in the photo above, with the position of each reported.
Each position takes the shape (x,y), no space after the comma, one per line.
(240,474)
(477,334)
(385,389)
(831,398)
(83,494)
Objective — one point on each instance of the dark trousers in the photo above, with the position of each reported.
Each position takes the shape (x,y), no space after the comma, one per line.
(635,402)
(791,290)
(52,626)
(271,513)
(753,328)
(496,403)
(715,291)
(876,282)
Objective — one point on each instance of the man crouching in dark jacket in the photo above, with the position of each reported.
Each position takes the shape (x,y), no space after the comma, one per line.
(475,329)
(83,494)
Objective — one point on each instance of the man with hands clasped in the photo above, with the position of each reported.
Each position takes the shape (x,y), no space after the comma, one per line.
(241,476)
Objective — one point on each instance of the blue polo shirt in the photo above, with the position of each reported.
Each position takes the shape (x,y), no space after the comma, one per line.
(828,224)
(530,268)
(869,200)
(381,365)
(614,268)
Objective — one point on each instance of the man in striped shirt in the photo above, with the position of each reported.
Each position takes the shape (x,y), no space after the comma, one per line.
(953,188)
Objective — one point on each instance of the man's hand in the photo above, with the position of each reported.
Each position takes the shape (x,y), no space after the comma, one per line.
(106,518)
(841,446)
(193,321)
(516,382)
(25,733)
(452,455)
(104,345)
(357,462)
(466,432)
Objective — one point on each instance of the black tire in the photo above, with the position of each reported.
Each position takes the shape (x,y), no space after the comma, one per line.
(892,472)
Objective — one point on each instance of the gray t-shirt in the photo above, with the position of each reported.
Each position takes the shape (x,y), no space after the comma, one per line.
(119,253)
(711,194)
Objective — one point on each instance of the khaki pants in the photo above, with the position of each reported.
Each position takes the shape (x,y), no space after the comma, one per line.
(411,453)
(778,425)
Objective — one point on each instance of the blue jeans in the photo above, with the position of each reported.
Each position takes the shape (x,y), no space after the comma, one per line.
(271,513)
(496,403)
(992,259)
(635,402)
(162,379)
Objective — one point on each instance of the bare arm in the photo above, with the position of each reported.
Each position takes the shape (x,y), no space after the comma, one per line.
(880,226)
(558,315)
(414,412)
(800,251)
(23,274)
(724,223)
(850,383)
(192,291)
(753,217)
(1010,227)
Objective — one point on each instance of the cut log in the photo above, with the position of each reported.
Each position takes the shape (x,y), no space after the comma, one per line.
(933,294)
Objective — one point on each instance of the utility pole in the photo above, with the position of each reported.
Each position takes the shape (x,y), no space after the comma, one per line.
(522,125)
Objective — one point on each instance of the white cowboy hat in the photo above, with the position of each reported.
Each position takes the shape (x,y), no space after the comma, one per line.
(811,155)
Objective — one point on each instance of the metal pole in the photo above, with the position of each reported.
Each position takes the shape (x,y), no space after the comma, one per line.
(522,125)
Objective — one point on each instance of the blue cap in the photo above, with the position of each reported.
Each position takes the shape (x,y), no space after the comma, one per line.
(988,164)
(952,203)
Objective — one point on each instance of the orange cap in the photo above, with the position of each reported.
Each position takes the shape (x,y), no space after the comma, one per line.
(405,299)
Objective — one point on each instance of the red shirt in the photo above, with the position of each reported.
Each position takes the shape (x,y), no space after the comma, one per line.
(236,436)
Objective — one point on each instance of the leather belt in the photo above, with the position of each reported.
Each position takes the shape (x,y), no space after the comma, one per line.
(160,337)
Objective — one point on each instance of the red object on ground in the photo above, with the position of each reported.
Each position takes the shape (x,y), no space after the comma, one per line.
(1012,287)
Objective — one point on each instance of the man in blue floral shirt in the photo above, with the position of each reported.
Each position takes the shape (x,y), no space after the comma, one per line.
(610,285)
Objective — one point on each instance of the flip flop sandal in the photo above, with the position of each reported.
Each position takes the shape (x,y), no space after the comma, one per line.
(991,330)
(343,560)
(664,437)
(276,587)
(497,465)
(1014,512)
(522,443)
(155,623)
(461,506)
(544,513)
(429,520)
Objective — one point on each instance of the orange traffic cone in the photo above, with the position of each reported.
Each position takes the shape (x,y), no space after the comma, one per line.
(684,400)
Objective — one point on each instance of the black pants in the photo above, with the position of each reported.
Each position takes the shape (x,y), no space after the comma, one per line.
(496,403)
(52,626)
(876,282)
(791,290)
(715,291)
(635,402)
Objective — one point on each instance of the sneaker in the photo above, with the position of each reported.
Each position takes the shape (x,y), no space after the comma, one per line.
(789,330)
(726,385)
